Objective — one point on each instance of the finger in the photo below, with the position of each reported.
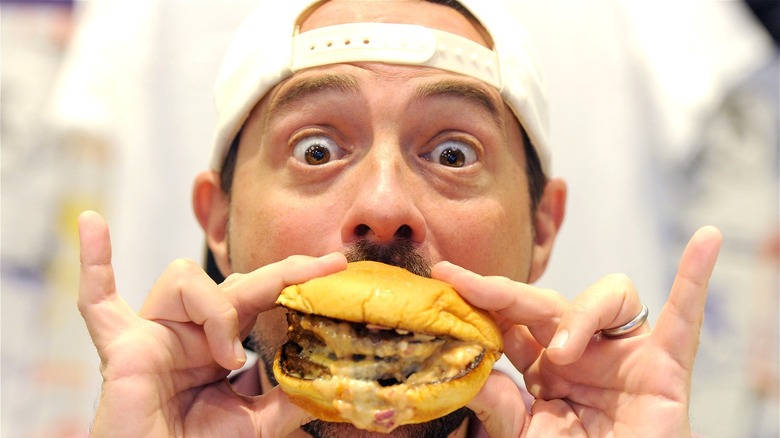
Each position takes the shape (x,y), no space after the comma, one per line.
(97,275)
(520,303)
(611,302)
(276,415)
(679,324)
(258,290)
(185,293)
(500,407)
(521,348)
(104,312)
(554,418)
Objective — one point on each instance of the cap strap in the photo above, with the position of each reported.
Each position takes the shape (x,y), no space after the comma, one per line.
(394,43)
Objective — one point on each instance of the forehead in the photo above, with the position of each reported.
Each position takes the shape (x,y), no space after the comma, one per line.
(315,81)
(432,15)
(405,85)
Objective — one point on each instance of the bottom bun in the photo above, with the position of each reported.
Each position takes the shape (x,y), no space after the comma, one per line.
(370,406)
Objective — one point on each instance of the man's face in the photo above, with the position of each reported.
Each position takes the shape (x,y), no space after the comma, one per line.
(341,153)
(369,155)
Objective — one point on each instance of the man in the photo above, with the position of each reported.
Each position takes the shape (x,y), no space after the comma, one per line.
(418,146)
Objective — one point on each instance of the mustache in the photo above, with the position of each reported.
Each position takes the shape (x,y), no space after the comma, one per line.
(399,252)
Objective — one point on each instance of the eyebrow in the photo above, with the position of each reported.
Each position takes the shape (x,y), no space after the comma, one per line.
(343,83)
(307,87)
(463,91)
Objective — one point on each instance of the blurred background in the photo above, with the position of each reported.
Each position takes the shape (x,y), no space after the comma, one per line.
(664,118)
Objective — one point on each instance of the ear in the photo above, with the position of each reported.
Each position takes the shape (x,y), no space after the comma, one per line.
(547,222)
(211,207)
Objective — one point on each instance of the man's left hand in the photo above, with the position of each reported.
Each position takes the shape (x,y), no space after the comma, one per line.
(584,383)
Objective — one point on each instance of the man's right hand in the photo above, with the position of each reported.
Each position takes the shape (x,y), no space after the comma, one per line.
(164,368)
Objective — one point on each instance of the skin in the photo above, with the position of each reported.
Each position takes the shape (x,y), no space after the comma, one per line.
(288,221)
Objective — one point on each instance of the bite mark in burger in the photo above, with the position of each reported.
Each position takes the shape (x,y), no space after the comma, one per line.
(377,346)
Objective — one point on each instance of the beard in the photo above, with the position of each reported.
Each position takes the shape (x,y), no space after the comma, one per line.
(401,253)
(438,428)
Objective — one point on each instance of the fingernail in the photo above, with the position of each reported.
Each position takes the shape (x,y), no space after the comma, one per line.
(332,257)
(238,351)
(560,339)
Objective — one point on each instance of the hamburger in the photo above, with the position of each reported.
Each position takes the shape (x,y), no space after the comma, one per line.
(379,347)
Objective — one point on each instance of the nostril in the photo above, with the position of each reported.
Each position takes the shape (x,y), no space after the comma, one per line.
(404,232)
(362,230)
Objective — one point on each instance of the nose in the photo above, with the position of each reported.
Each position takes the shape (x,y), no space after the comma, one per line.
(385,201)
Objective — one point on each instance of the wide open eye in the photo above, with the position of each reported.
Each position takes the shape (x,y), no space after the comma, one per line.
(452,153)
(317,150)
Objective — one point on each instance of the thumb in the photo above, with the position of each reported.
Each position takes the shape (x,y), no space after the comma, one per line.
(104,312)
(679,324)
(500,407)
(277,416)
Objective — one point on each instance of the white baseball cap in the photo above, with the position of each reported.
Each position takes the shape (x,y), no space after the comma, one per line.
(267,49)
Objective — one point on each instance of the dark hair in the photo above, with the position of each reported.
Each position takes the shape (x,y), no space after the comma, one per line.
(454,4)
(537,180)
(228,167)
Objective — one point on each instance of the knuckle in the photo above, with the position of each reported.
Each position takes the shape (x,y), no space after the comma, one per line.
(232,279)
(295,259)
(581,307)
(82,304)
(221,320)
(620,284)
(226,312)
(180,271)
(618,278)
(503,282)
(182,266)
(556,295)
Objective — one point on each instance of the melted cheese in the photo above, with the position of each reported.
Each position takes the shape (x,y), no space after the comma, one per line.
(353,384)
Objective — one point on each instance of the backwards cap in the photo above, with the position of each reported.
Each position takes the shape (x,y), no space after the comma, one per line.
(268,49)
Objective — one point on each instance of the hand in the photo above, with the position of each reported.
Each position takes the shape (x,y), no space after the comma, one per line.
(164,368)
(586,384)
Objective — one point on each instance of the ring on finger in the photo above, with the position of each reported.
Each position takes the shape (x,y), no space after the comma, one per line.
(629,326)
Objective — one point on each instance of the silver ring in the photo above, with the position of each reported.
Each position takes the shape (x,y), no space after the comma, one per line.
(629,326)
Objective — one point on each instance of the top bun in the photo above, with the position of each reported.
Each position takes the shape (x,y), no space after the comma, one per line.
(376,293)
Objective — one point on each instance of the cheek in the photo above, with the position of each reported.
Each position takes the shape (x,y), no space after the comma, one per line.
(272,225)
(268,223)
(489,236)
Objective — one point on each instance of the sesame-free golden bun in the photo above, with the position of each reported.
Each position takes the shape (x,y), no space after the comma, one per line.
(375,293)
(382,295)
